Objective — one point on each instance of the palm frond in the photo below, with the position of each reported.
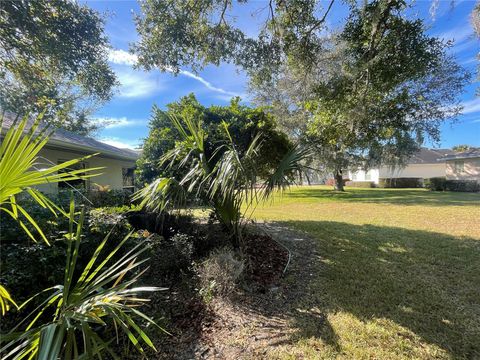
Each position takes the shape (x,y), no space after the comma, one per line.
(104,293)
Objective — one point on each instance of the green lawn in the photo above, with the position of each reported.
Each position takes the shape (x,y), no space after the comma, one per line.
(395,274)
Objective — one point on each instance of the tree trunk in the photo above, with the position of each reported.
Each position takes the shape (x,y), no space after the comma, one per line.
(338,181)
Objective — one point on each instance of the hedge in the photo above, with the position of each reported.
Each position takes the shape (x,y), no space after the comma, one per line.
(360,184)
(400,182)
(442,184)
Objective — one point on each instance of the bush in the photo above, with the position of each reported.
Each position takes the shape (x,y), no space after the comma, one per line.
(462,185)
(169,256)
(360,184)
(435,183)
(442,184)
(106,219)
(400,183)
(219,273)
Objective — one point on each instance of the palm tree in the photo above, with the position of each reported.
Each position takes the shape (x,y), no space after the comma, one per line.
(226,178)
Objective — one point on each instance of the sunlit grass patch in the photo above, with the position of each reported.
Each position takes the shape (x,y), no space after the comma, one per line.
(397,276)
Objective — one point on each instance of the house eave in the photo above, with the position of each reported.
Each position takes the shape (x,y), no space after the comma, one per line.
(87,150)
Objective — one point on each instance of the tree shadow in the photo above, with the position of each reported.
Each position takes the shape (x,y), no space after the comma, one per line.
(426,282)
(389,196)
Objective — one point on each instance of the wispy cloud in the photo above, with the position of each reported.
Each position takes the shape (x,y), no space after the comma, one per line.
(136,84)
(117,122)
(459,34)
(121,143)
(471,106)
(122,57)
(207,84)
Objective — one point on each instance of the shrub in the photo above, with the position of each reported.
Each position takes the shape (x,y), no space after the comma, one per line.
(435,183)
(219,273)
(106,219)
(400,183)
(360,184)
(169,256)
(462,185)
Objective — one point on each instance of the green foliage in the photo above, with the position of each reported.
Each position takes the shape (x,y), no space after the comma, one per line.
(18,157)
(461,148)
(102,294)
(244,123)
(400,183)
(171,255)
(462,185)
(435,183)
(225,178)
(176,33)
(54,52)
(378,89)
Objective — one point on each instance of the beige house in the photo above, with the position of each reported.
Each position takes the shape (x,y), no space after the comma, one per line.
(463,166)
(424,164)
(118,164)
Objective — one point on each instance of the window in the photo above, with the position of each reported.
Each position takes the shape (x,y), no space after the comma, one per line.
(78,183)
(128,182)
(459,166)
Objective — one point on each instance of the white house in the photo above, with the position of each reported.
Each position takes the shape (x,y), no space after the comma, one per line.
(118,164)
(424,164)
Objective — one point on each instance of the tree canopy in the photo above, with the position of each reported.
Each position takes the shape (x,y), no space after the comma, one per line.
(54,52)
(243,122)
(378,90)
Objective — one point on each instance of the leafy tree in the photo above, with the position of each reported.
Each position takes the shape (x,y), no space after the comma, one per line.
(176,33)
(462,147)
(244,123)
(380,87)
(54,52)
(224,177)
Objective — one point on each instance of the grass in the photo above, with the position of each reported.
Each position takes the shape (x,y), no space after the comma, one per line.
(394,274)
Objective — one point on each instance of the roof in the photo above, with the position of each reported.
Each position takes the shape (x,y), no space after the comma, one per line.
(429,156)
(470,153)
(63,139)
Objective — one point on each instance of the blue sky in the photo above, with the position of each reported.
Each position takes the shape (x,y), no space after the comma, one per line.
(139,90)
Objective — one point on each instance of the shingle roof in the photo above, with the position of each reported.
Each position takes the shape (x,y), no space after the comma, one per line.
(429,156)
(470,153)
(66,139)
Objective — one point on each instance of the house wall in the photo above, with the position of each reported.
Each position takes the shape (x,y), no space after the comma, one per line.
(362,175)
(471,169)
(111,174)
(424,171)
(410,171)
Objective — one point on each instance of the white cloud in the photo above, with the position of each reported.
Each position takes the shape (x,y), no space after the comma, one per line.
(207,84)
(121,143)
(471,106)
(121,57)
(136,84)
(117,122)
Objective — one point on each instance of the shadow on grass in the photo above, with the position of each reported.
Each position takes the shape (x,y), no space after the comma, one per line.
(392,196)
(423,281)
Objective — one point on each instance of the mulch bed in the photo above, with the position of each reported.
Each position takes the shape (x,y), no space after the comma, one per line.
(266,259)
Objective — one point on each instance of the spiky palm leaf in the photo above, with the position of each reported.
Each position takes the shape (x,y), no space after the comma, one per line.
(228,178)
(104,292)
(19,150)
